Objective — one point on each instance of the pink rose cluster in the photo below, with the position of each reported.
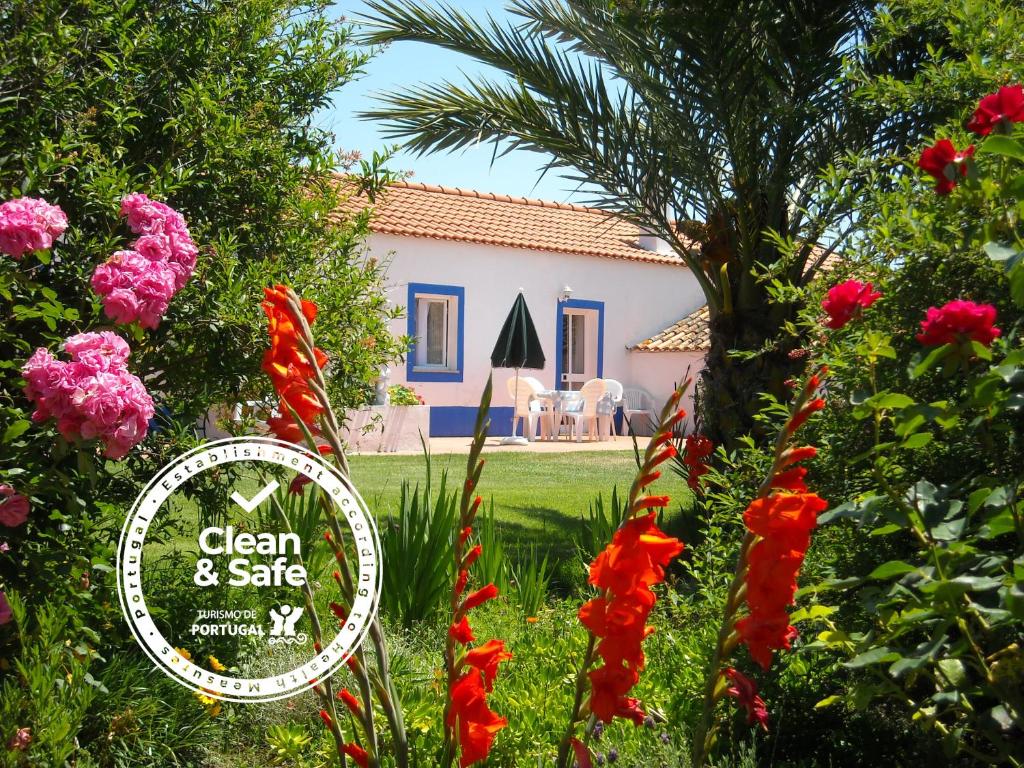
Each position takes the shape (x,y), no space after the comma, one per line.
(93,396)
(138,284)
(29,224)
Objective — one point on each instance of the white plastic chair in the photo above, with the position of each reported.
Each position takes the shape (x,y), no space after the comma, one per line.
(527,408)
(638,403)
(591,393)
(613,393)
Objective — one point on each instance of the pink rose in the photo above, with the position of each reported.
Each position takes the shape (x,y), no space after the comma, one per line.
(13,507)
(29,224)
(134,288)
(93,396)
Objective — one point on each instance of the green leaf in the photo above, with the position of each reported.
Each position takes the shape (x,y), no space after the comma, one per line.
(15,430)
(874,656)
(828,701)
(998,251)
(1002,145)
(890,569)
(918,440)
(919,366)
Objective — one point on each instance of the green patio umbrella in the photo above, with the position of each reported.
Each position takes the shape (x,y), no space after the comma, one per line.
(518,346)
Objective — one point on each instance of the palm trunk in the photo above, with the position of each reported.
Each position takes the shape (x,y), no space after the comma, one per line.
(731,389)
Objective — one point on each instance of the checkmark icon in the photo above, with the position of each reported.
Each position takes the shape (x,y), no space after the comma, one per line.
(250,504)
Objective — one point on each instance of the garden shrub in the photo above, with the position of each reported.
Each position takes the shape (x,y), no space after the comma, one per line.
(208,107)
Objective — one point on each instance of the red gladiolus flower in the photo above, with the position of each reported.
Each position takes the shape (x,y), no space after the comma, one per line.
(464,534)
(998,110)
(647,502)
(339,611)
(357,753)
(477,724)
(480,597)
(285,363)
(957,322)
(608,689)
(460,582)
(784,513)
(791,480)
(472,555)
(744,690)
(845,301)
(764,634)
(695,457)
(637,556)
(325,717)
(461,632)
(944,163)
(771,575)
(486,658)
(794,455)
(350,701)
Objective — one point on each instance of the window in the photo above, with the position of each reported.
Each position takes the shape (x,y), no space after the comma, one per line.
(435,325)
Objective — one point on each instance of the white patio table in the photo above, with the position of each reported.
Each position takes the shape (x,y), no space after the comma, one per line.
(560,401)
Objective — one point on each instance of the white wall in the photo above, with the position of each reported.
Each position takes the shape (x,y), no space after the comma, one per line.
(640,300)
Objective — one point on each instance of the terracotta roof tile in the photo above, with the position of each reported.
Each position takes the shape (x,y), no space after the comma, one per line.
(446,213)
(691,333)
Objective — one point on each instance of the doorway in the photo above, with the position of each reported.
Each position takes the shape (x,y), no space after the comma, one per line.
(580,343)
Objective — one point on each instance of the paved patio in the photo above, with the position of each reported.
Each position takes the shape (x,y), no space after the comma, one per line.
(446,445)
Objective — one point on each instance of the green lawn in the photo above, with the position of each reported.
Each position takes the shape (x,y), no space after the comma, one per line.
(538,498)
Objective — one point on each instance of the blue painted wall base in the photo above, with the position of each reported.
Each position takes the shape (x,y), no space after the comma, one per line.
(458,420)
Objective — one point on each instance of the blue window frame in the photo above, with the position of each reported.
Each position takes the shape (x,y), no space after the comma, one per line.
(578,304)
(436,324)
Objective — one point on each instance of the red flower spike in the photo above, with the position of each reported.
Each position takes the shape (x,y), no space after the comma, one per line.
(357,753)
(325,717)
(666,454)
(472,556)
(581,752)
(461,632)
(945,164)
(297,484)
(784,513)
(649,502)
(350,701)
(794,455)
(475,506)
(804,413)
(486,658)
(791,480)
(648,479)
(659,439)
(477,724)
(339,611)
(464,534)
(744,690)
(763,635)
(480,597)
(460,582)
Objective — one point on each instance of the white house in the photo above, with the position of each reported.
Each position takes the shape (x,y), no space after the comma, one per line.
(605,298)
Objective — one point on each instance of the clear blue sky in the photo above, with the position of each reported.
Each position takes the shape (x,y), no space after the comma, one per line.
(406,64)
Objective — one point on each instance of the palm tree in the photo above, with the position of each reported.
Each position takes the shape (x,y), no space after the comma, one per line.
(707,123)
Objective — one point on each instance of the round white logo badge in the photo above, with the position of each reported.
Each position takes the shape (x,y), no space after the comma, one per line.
(229,604)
